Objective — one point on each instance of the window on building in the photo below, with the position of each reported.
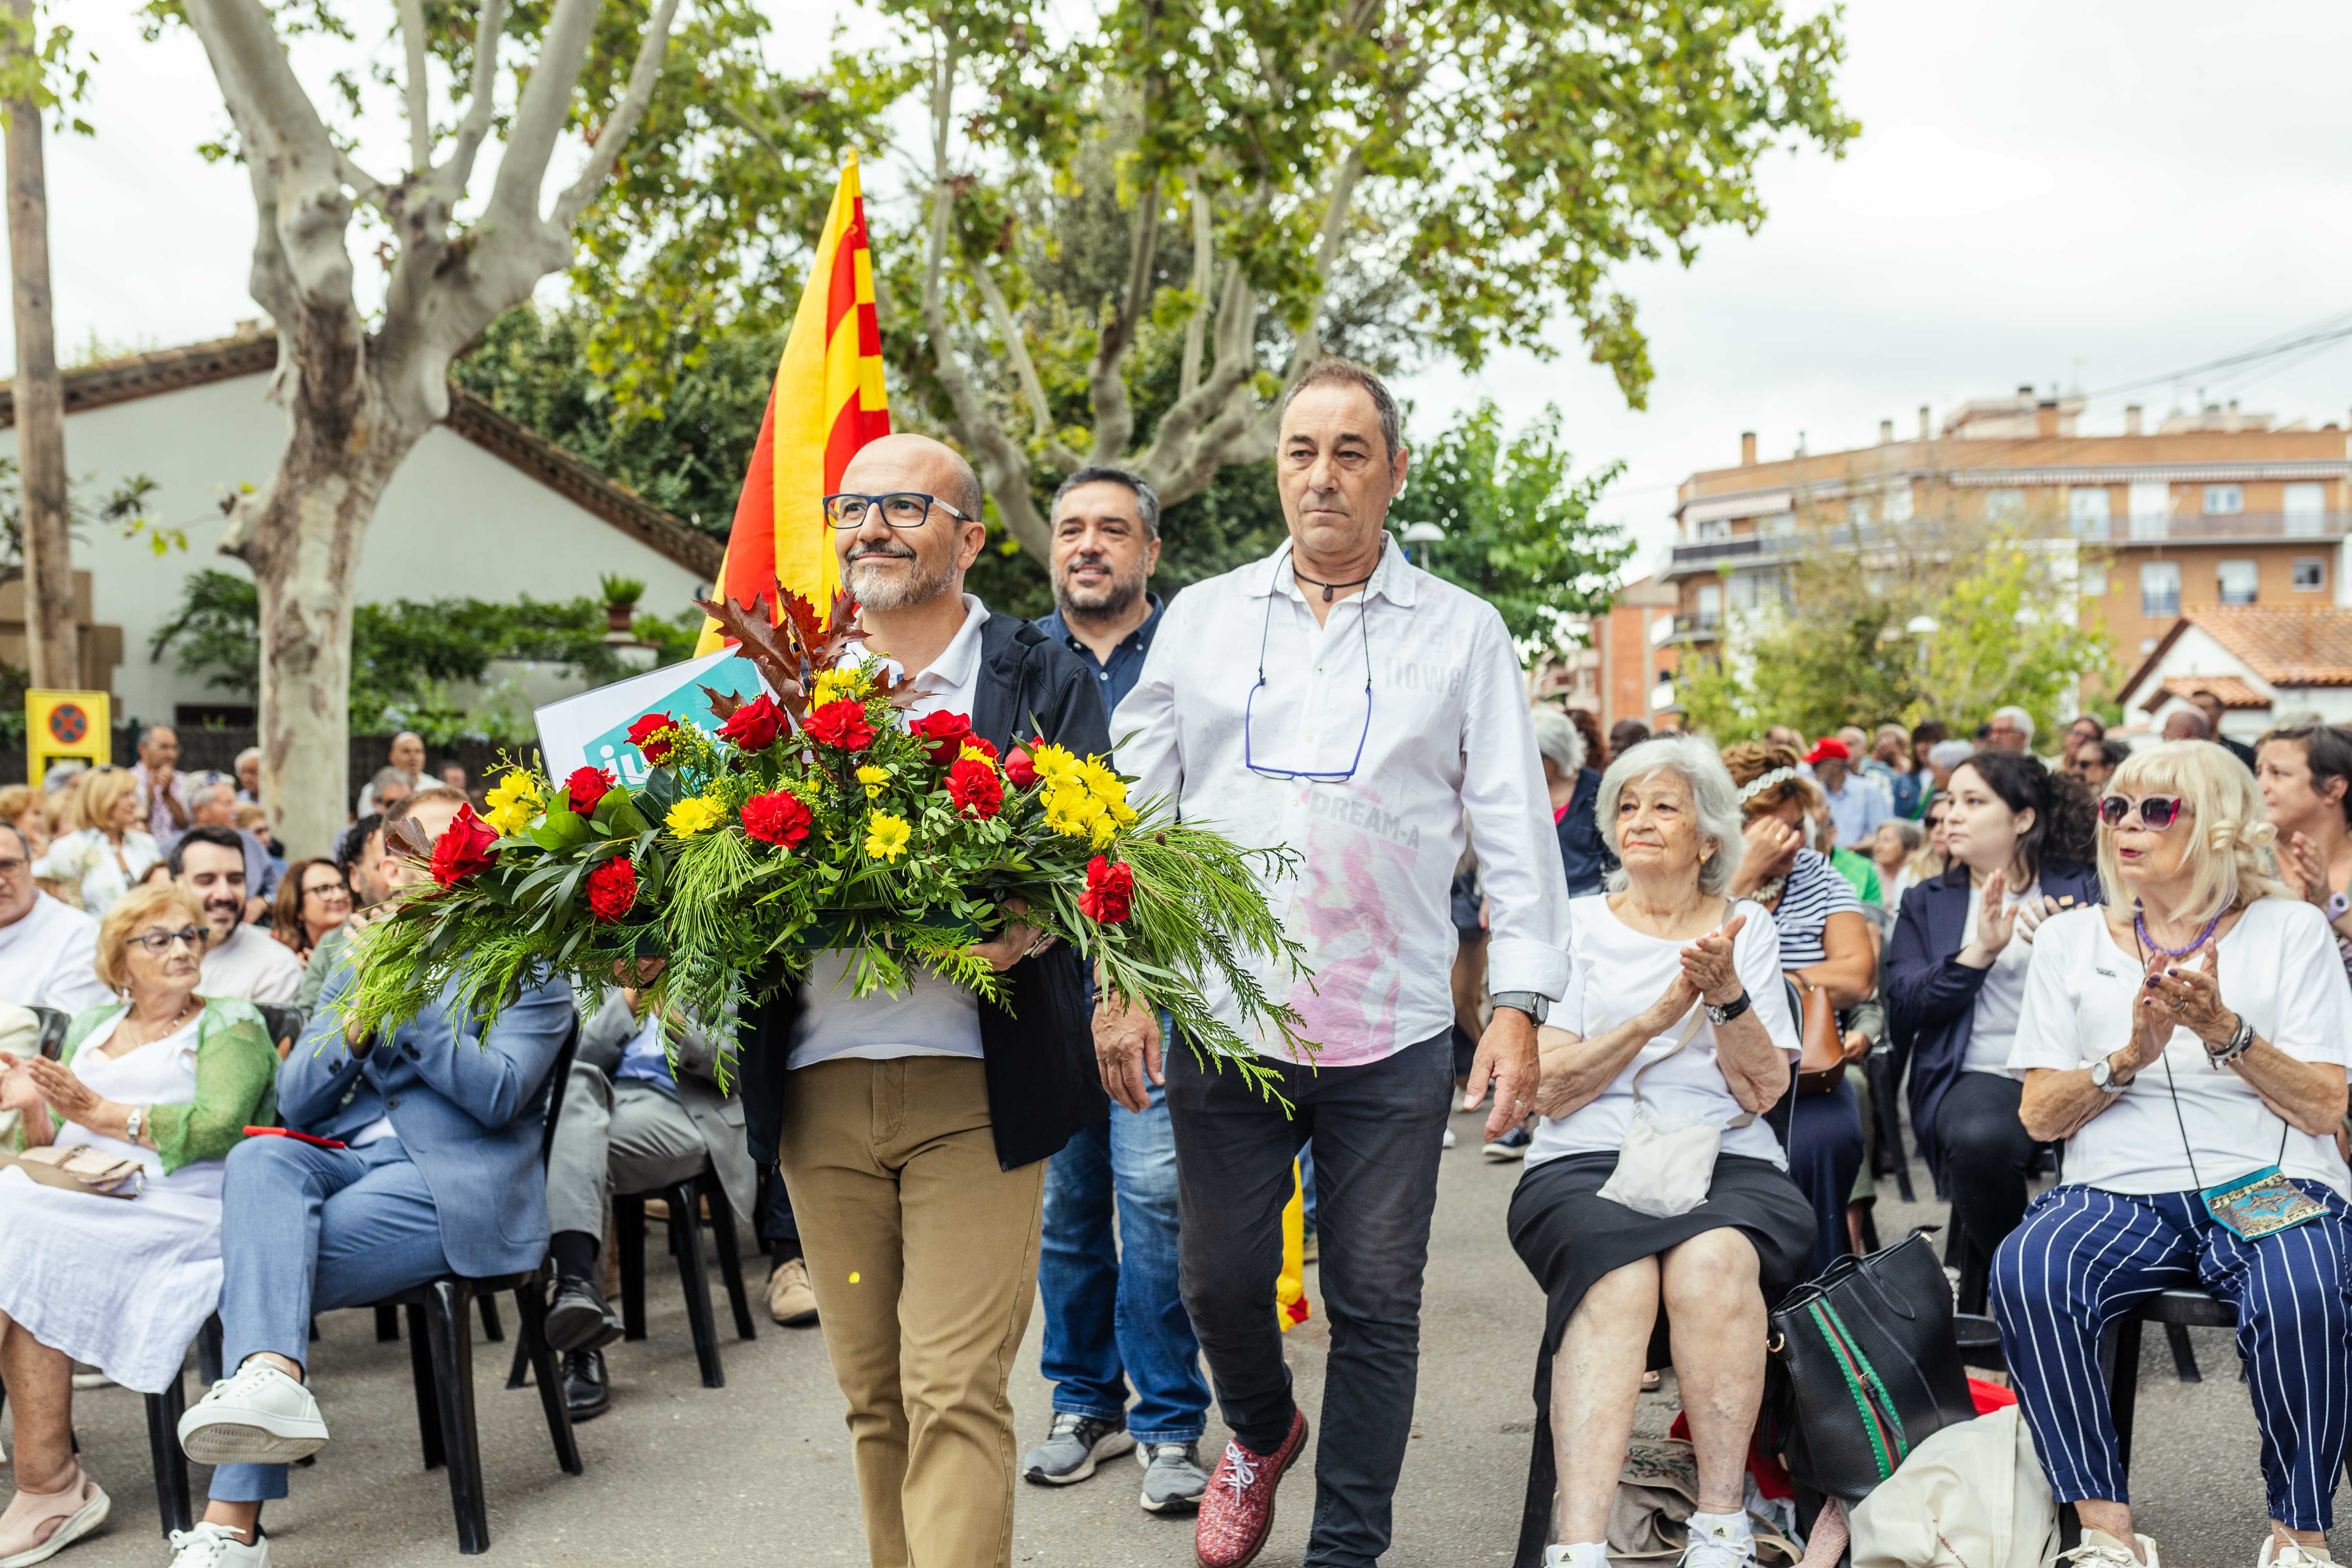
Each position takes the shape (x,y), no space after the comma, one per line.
(1710,606)
(1858,512)
(2306,510)
(1713,528)
(2239,581)
(1742,590)
(2006,504)
(2151,509)
(2093,582)
(1895,501)
(1777,524)
(2224,500)
(2087,511)
(2159,589)
(2310,573)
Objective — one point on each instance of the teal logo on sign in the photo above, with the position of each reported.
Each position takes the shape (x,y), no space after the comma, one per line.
(685,703)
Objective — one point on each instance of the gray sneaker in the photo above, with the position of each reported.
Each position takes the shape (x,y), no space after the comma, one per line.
(1173,1479)
(1074,1447)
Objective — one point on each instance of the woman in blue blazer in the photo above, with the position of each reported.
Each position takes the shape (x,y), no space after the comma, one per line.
(2017,834)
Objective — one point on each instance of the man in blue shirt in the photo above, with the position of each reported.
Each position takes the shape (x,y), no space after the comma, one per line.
(1113,1310)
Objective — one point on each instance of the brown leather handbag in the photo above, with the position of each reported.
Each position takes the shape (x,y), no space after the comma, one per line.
(1822,1063)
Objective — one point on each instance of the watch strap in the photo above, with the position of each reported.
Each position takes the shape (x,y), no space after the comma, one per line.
(1729,1010)
(1534,1004)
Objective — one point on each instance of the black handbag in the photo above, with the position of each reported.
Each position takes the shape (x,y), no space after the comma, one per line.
(1869,1367)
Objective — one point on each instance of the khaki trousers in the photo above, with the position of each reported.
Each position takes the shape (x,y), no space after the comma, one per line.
(923,1255)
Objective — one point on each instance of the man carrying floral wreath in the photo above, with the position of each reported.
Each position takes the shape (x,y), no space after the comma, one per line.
(912,1128)
(1339,701)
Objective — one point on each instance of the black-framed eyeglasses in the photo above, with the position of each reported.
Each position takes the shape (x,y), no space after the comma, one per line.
(1249,711)
(900,509)
(2156,812)
(159,943)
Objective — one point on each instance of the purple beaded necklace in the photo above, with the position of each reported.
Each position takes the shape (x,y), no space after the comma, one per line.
(2139,924)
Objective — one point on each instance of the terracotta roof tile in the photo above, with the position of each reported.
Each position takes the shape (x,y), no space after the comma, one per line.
(2232,692)
(2285,645)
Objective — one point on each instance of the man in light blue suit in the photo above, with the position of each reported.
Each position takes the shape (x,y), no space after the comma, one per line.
(439,1173)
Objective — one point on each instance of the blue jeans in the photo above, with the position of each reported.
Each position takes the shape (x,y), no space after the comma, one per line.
(1113,1308)
(305,1230)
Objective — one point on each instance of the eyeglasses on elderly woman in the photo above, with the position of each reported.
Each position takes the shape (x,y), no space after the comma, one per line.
(2156,812)
(159,943)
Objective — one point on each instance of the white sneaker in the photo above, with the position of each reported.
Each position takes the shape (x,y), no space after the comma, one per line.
(2100,1550)
(1449,1137)
(258,1416)
(1581,1554)
(1719,1546)
(2277,1554)
(217,1546)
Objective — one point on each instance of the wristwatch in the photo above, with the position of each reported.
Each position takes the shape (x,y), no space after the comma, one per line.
(2338,906)
(2102,1076)
(1534,1004)
(132,1124)
(1721,1016)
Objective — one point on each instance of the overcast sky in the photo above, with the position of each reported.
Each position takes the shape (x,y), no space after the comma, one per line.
(2075,196)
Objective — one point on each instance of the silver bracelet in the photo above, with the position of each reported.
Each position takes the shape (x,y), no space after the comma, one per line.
(2236,1046)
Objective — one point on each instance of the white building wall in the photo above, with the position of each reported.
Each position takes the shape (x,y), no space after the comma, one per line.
(2195,652)
(456,522)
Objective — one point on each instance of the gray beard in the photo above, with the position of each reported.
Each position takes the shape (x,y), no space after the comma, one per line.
(886,593)
(1106,603)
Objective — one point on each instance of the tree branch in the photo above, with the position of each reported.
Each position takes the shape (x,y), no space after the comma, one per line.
(1196,330)
(482,104)
(615,133)
(1105,386)
(1033,387)
(420,114)
(364,186)
(540,117)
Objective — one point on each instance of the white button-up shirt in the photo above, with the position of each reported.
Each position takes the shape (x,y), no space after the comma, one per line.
(1447,742)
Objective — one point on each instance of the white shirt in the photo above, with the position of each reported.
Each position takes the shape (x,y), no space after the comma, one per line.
(252,965)
(1616,972)
(49,959)
(933,1018)
(1992,1027)
(2279,969)
(92,866)
(1447,738)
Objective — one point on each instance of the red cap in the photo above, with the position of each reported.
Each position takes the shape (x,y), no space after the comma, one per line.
(1829,746)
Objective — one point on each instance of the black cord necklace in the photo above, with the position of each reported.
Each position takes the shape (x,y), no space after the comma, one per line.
(1328,587)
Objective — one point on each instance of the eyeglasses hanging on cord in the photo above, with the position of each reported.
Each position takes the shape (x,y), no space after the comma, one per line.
(1249,708)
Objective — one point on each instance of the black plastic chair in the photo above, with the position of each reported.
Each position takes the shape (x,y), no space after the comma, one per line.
(285,1024)
(2178,1311)
(54,1025)
(685,1200)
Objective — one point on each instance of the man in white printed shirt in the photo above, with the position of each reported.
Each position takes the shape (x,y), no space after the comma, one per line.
(1337,699)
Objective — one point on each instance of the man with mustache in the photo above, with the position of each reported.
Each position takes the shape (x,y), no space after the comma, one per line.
(914,1126)
(1114,1313)
(239,960)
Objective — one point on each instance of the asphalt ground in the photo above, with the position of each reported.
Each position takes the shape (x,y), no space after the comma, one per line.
(757,1472)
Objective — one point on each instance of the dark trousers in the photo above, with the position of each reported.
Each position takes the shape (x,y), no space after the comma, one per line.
(1987,1157)
(1378,1131)
(1824,1158)
(777,1226)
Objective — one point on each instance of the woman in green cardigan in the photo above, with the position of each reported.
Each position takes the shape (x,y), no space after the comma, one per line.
(172,1080)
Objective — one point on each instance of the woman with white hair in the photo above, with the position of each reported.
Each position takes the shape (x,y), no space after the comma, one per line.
(2188,1042)
(1574,788)
(1656,1210)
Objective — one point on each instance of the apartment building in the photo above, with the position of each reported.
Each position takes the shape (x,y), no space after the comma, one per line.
(2218,507)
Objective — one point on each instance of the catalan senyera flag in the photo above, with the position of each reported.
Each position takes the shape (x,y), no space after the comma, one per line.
(826,403)
(1290,1307)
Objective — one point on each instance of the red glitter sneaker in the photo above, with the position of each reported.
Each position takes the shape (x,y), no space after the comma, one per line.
(1237,1510)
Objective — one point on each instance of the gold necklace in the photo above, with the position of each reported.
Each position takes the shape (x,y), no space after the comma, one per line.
(168,1028)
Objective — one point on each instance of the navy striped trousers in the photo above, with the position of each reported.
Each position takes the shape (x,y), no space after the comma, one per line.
(2085,1257)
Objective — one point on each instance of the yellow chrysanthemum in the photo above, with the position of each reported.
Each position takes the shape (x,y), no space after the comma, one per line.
(832,685)
(887,836)
(872,778)
(1105,825)
(514,801)
(974,755)
(696,813)
(1072,812)
(1102,783)
(1056,765)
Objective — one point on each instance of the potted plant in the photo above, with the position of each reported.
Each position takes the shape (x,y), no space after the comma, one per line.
(621,596)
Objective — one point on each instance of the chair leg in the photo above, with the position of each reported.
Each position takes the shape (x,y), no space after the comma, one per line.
(208,1351)
(530,1305)
(2184,1355)
(492,1329)
(428,1404)
(693,1275)
(629,1235)
(171,1500)
(731,1258)
(451,1333)
(387,1325)
(2123,1387)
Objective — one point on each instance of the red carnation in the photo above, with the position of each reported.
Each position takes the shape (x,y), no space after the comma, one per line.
(945,734)
(841,724)
(975,788)
(985,748)
(587,786)
(754,726)
(649,735)
(778,817)
(1109,892)
(1018,769)
(612,889)
(463,847)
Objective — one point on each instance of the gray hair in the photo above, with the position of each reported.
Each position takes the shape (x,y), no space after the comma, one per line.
(1558,740)
(1713,796)
(1147,500)
(209,784)
(1950,754)
(250,754)
(1334,371)
(1909,832)
(2018,719)
(391,776)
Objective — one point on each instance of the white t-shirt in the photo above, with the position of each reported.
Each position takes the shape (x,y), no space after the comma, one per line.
(2278,968)
(932,1017)
(49,959)
(1615,972)
(1993,1027)
(252,965)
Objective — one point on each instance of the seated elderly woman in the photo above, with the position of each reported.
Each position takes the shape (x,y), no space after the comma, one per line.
(2188,1042)
(171,1080)
(1675,1018)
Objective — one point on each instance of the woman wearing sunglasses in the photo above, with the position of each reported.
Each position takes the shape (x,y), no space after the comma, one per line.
(2187,1042)
(166,1078)
(2019,838)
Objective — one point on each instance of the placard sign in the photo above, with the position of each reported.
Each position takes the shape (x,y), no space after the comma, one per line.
(591,730)
(67,726)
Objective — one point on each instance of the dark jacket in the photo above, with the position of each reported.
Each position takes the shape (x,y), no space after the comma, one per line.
(1581,851)
(1042,1085)
(1931,996)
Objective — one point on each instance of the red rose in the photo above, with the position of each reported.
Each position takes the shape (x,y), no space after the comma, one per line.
(945,734)
(587,786)
(463,847)
(1109,892)
(975,788)
(778,817)
(612,889)
(648,735)
(841,724)
(754,726)
(1017,768)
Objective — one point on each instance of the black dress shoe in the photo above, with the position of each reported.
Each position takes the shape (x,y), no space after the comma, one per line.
(578,1319)
(585,1392)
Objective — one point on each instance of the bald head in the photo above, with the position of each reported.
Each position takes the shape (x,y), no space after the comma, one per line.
(911,462)
(900,555)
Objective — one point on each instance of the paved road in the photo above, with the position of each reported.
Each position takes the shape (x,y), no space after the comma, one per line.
(759,1472)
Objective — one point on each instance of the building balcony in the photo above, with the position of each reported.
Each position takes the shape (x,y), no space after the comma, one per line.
(2220,528)
(1698,628)
(1748,551)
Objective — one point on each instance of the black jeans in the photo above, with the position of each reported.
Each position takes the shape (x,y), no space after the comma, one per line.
(1378,1131)
(1987,1157)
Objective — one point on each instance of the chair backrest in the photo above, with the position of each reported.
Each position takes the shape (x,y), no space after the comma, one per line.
(558,1078)
(284,1023)
(54,1025)
(1881,917)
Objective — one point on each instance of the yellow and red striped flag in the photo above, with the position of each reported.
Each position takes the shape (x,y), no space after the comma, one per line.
(826,403)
